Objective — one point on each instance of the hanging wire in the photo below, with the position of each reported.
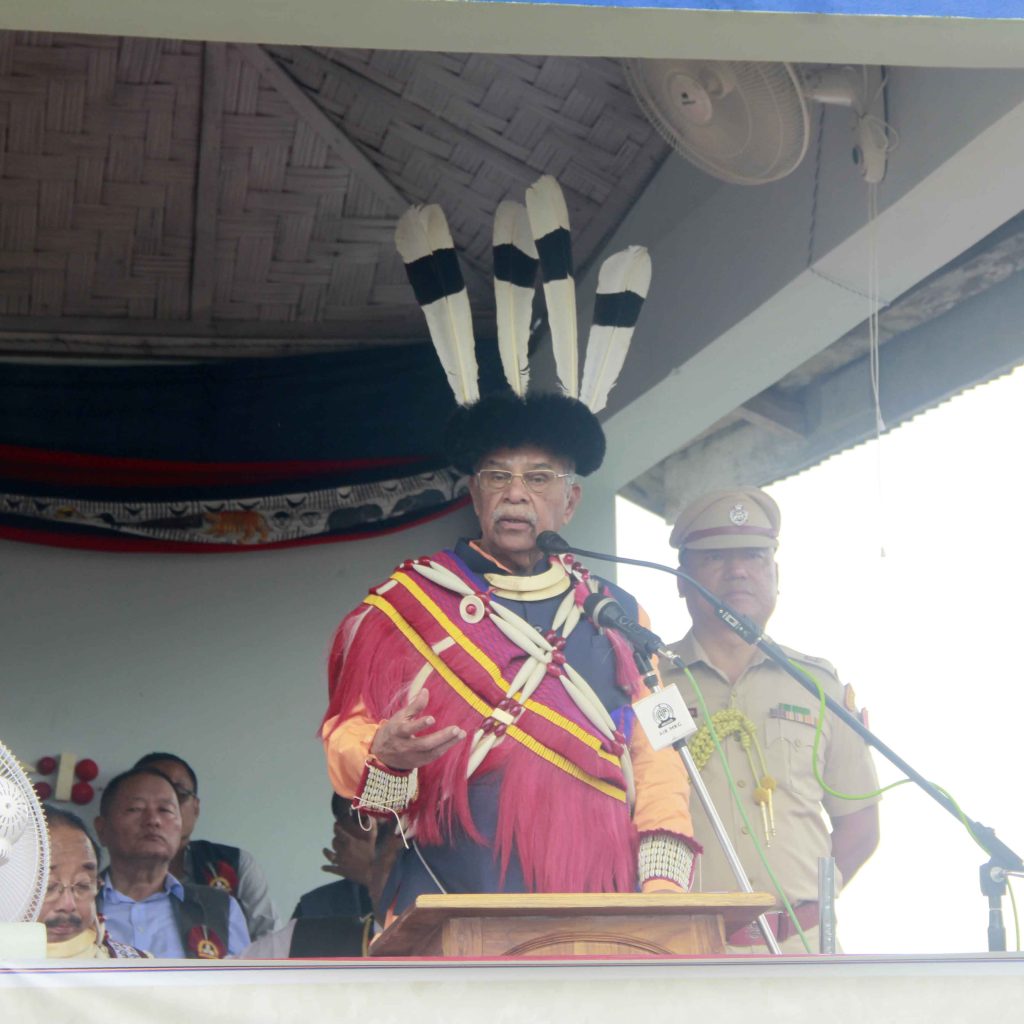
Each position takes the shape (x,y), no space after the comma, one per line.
(874,362)
(819,132)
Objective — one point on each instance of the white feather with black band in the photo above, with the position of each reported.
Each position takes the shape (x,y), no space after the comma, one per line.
(515,271)
(622,285)
(549,221)
(425,245)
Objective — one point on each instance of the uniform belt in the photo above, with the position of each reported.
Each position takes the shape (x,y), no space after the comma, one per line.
(780,924)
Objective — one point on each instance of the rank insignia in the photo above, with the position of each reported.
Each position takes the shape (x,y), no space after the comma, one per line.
(850,702)
(738,515)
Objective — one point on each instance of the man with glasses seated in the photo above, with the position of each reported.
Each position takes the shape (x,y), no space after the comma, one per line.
(73,927)
(224,867)
(474,706)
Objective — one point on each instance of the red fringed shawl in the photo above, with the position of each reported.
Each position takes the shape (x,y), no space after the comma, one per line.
(562,804)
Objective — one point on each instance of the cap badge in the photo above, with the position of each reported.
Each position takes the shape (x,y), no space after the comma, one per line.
(738,515)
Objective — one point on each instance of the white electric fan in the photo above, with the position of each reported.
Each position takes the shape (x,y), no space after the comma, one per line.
(747,122)
(24,861)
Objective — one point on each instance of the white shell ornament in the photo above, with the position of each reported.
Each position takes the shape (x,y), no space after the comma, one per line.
(472,609)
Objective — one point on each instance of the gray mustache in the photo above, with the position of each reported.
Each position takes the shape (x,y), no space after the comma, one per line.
(514,512)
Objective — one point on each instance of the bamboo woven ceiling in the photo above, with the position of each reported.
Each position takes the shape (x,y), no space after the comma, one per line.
(170,198)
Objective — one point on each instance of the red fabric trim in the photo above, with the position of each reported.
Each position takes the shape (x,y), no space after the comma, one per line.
(375,762)
(371,812)
(119,542)
(74,468)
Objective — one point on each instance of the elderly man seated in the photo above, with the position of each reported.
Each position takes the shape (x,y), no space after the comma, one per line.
(215,864)
(73,927)
(144,904)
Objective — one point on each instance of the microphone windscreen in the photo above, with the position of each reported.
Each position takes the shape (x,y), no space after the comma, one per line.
(551,543)
(605,611)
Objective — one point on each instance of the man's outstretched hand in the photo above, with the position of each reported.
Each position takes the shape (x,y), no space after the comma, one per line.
(402,743)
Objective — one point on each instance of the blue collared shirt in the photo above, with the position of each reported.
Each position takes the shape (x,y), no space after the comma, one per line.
(150,924)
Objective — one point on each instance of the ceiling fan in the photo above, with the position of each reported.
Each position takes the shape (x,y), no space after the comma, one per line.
(748,122)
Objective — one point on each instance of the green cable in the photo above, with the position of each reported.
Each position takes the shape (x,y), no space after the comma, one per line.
(822,708)
(743,814)
(1013,906)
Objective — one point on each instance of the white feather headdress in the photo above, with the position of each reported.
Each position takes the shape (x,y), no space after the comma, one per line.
(525,237)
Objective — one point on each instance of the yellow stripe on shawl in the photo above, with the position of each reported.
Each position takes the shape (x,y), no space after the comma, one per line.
(480,706)
(455,632)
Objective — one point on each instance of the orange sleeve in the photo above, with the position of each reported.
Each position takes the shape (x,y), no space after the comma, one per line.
(662,784)
(347,746)
(662,788)
(662,793)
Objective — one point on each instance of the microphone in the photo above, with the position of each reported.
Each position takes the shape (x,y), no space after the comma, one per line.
(552,544)
(609,614)
(604,611)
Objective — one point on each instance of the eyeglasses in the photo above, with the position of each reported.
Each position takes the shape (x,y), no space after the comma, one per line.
(536,480)
(80,891)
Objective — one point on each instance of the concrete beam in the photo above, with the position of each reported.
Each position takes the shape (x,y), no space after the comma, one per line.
(555,28)
(976,341)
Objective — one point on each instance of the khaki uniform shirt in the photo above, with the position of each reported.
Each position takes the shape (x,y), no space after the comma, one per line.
(801,830)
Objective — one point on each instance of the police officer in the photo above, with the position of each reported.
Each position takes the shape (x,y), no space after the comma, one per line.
(766,722)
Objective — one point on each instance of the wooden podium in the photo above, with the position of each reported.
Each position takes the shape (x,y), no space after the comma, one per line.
(570,924)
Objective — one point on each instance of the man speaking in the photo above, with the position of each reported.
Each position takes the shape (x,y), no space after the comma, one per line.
(470,699)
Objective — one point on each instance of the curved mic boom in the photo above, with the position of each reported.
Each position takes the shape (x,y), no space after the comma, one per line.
(552,544)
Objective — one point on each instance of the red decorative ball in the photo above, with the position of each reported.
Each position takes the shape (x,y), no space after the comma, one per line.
(46,765)
(87,769)
(82,793)
(43,790)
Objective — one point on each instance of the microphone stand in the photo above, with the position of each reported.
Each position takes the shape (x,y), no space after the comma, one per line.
(643,662)
(1002,860)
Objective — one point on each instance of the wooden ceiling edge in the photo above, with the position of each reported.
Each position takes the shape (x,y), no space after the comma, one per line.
(120,339)
(365,324)
(189,348)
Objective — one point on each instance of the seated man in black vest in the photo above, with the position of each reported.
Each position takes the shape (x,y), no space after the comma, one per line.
(224,867)
(351,857)
(143,904)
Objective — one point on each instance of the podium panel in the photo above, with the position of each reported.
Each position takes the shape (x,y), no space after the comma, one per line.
(569,924)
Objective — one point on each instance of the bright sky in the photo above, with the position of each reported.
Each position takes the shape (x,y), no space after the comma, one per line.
(927,635)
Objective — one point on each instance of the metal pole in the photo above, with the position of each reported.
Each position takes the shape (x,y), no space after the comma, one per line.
(726,843)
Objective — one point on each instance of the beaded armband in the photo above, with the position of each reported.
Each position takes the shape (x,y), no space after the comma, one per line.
(664,855)
(383,791)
